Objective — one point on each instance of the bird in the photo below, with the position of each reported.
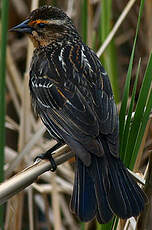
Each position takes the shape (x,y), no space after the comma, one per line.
(72,94)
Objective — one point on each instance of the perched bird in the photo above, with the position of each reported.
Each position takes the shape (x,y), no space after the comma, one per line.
(71,93)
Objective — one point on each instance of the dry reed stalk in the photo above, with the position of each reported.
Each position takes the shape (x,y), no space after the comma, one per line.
(11,223)
(12,123)
(17,79)
(130,224)
(70,8)
(10,154)
(46,211)
(14,73)
(139,178)
(55,203)
(41,204)
(43,188)
(148,13)
(13,95)
(15,85)
(17,200)
(26,150)
(67,172)
(27,111)
(124,37)
(63,185)
(68,218)
(28,176)
(30,208)
(23,138)
(9,125)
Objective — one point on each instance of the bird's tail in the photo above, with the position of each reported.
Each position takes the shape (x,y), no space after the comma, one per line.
(104,189)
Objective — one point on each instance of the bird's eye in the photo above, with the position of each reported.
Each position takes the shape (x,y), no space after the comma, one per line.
(41,25)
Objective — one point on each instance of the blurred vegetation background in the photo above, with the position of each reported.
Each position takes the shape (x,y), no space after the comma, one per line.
(45,204)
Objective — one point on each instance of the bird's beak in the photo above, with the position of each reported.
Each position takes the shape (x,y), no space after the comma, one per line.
(22,27)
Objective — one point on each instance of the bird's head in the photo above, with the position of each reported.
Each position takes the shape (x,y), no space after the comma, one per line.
(45,25)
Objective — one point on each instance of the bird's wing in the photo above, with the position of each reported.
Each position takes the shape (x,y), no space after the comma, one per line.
(74,97)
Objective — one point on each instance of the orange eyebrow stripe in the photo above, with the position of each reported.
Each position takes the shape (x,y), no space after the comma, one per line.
(38,21)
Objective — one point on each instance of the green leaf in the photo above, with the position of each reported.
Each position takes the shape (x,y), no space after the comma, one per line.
(107,226)
(125,136)
(139,112)
(84,14)
(109,58)
(141,131)
(127,83)
(82,226)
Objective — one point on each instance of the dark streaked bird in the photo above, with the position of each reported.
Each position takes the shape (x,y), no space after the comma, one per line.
(72,95)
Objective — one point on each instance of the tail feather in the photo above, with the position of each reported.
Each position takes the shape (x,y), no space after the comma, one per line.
(138,196)
(83,201)
(124,195)
(117,195)
(99,175)
(105,188)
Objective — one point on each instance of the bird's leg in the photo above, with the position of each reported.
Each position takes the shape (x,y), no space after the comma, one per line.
(48,155)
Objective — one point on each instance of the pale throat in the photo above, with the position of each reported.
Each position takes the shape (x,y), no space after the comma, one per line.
(39,41)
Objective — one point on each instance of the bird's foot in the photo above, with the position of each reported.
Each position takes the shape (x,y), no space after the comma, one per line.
(48,156)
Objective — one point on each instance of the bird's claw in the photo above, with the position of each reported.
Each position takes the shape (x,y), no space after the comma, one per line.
(46,156)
